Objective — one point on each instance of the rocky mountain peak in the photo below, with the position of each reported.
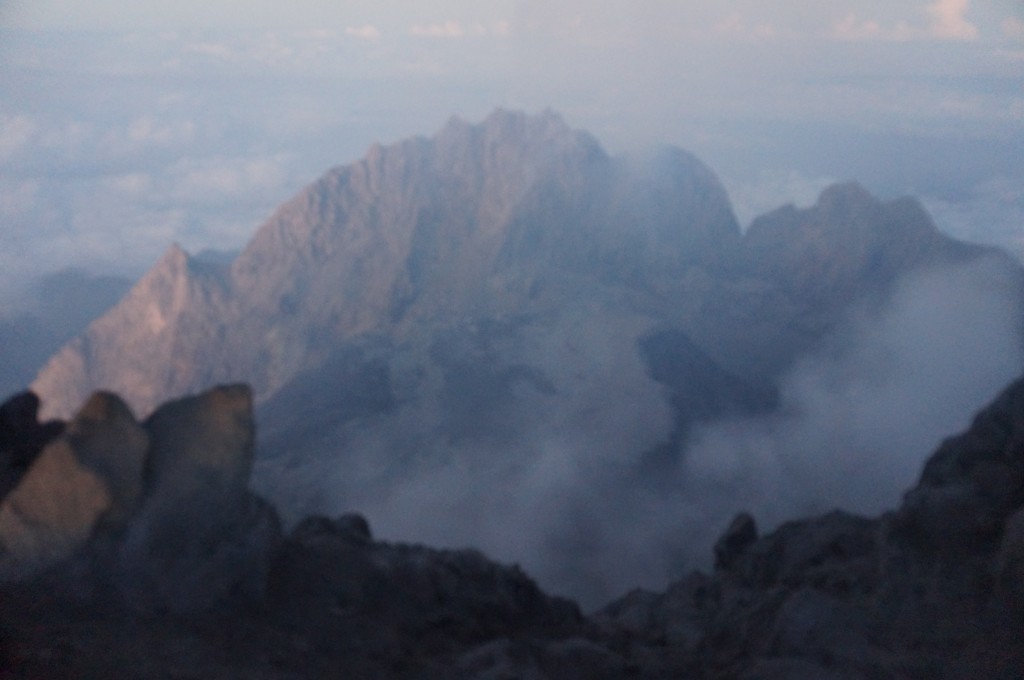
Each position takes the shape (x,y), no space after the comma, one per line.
(473,218)
(846,239)
(845,198)
(510,127)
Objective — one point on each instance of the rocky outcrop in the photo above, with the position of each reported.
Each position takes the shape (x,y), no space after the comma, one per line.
(836,596)
(52,513)
(929,590)
(201,537)
(107,439)
(158,511)
(87,480)
(403,605)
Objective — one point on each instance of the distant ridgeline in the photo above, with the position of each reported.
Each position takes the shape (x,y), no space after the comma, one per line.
(134,549)
(519,219)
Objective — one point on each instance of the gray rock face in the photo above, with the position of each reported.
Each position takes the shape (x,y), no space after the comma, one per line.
(502,292)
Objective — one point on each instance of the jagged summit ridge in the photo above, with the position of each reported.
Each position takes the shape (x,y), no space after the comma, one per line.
(473,218)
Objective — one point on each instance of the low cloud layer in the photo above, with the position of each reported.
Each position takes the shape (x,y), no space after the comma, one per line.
(856,422)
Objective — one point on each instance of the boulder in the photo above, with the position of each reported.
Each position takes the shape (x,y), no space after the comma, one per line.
(200,539)
(106,438)
(88,479)
(51,514)
(202,442)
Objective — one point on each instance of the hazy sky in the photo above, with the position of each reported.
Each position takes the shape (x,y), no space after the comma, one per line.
(125,126)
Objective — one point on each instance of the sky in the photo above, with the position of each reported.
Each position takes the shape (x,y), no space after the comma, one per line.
(125,127)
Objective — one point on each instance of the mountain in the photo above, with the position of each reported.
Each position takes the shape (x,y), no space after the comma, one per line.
(504,326)
(477,218)
(516,213)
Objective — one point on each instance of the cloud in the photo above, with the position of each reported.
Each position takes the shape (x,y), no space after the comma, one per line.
(211,49)
(858,420)
(554,487)
(18,197)
(367,32)
(456,29)
(221,180)
(949,20)
(853,28)
(132,183)
(735,25)
(448,29)
(16,133)
(1013,27)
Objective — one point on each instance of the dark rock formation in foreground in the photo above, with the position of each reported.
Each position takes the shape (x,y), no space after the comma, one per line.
(134,550)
